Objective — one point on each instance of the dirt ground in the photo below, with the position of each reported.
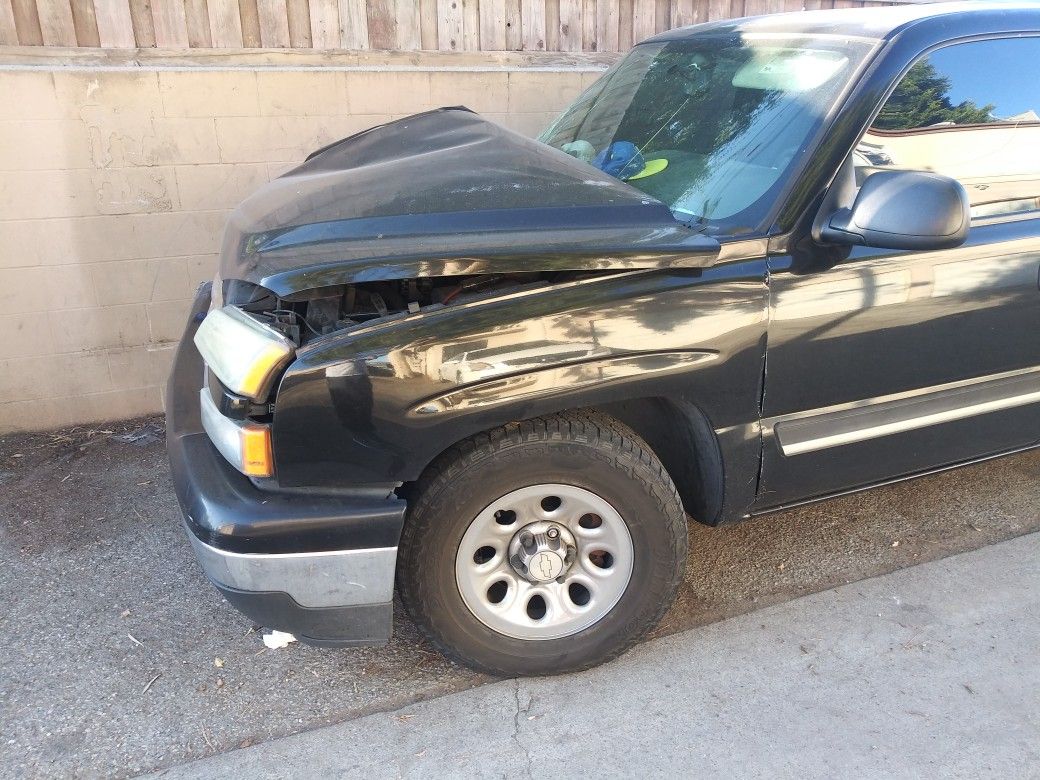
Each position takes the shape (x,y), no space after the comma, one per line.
(118,657)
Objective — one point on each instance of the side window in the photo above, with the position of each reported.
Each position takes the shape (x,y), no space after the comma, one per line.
(970,111)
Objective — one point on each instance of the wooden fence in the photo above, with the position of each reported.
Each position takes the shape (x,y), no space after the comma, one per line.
(406,25)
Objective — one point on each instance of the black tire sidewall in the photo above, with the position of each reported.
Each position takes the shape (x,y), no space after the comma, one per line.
(642,501)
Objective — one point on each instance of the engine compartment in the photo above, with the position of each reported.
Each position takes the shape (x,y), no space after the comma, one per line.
(305,317)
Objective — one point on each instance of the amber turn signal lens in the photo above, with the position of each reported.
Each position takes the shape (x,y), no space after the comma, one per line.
(257,460)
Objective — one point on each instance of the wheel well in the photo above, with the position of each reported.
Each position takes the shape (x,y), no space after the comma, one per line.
(682,437)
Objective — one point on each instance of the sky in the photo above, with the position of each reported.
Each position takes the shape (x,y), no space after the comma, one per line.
(1000,72)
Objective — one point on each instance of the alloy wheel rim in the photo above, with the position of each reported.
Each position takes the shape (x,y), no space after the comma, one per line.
(544,562)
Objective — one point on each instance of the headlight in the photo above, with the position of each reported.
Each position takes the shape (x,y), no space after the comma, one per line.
(246,445)
(245,354)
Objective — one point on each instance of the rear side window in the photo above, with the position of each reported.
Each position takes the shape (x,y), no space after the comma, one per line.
(970,111)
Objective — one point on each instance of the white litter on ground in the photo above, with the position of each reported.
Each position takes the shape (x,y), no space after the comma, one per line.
(276,640)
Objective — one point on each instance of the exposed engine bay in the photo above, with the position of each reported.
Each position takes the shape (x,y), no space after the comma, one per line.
(304,317)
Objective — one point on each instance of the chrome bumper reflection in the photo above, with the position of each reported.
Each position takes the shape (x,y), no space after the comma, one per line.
(339,578)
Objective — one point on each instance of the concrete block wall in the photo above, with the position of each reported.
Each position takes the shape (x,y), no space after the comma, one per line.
(115,183)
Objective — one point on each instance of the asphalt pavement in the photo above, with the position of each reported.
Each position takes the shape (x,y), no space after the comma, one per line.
(931,671)
(117,657)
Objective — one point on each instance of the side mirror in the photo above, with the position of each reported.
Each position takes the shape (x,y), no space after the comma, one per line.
(903,210)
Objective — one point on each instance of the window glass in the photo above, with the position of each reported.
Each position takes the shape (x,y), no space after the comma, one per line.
(970,111)
(710,124)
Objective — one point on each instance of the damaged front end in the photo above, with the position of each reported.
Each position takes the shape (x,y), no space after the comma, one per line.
(358,287)
(429,212)
(447,193)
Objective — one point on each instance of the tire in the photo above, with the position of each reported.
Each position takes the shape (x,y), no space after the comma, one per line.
(591,460)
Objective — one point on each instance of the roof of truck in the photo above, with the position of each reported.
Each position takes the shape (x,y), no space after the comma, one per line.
(880,22)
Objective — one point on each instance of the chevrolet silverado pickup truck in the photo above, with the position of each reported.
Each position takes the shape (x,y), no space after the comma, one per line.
(758,263)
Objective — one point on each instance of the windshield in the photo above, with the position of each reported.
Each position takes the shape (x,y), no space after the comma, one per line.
(710,124)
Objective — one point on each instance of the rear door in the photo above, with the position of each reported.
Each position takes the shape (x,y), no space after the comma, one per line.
(891,362)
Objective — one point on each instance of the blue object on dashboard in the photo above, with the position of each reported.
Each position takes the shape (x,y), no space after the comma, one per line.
(620,159)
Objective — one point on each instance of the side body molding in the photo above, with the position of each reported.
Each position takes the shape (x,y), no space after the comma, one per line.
(873,418)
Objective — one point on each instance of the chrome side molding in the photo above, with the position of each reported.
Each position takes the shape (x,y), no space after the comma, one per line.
(872,418)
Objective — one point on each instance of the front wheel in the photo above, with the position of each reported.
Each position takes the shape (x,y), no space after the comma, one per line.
(542,547)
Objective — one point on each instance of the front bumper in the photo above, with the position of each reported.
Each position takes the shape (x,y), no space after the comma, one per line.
(318,566)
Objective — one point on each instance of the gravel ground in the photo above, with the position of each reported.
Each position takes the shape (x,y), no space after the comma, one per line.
(118,657)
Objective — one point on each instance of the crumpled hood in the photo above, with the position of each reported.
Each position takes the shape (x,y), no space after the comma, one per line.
(444,193)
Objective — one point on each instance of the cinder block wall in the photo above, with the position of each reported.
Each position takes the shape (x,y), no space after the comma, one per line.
(116,180)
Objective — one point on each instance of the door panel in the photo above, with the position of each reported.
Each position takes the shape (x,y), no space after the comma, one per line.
(891,363)
(894,362)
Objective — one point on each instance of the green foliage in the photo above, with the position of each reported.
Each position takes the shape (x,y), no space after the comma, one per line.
(922,99)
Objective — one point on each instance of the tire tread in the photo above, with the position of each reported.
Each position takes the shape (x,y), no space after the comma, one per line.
(629,454)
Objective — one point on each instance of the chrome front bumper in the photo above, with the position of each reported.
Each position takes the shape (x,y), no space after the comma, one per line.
(336,578)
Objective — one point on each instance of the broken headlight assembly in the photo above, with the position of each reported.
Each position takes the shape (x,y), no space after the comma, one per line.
(244,353)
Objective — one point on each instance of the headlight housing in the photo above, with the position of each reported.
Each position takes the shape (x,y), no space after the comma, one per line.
(245,354)
(245,445)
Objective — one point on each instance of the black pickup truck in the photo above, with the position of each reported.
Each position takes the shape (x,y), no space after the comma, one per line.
(758,263)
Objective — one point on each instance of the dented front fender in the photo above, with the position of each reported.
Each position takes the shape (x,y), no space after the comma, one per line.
(379,402)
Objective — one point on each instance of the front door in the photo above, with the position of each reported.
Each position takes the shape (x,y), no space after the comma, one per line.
(890,363)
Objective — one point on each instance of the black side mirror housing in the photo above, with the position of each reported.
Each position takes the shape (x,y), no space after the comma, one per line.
(903,210)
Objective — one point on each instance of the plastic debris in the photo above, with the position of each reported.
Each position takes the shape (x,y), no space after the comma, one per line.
(276,640)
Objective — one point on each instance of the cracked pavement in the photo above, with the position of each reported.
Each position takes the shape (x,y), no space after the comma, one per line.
(910,674)
(112,636)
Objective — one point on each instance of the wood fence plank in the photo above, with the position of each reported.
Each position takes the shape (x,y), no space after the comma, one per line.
(409,34)
(428,24)
(299,13)
(27,22)
(514,26)
(663,14)
(624,25)
(719,9)
(532,20)
(8,28)
(492,25)
(84,20)
(141,18)
(382,27)
(588,25)
(324,23)
(399,25)
(115,25)
(572,35)
(449,25)
(171,28)
(196,17)
(353,24)
(274,23)
(552,25)
(471,25)
(56,24)
(225,23)
(644,19)
(683,13)
(250,18)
